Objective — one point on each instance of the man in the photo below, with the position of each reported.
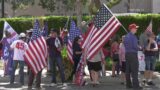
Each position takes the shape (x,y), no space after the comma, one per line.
(19,47)
(131,47)
(54,44)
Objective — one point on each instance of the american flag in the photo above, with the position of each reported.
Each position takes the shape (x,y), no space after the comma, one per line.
(149,28)
(74,32)
(44,31)
(104,25)
(36,54)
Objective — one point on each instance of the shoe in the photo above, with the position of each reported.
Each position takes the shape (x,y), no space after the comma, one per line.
(29,88)
(38,88)
(97,83)
(122,83)
(138,88)
(53,84)
(129,86)
(151,83)
(64,85)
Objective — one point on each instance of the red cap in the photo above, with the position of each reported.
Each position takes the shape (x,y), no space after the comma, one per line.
(133,25)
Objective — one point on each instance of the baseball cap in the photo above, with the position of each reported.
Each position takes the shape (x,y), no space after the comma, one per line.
(133,25)
(22,35)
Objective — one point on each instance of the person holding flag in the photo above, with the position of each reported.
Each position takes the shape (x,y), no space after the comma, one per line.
(5,53)
(19,47)
(55,44)
(35,56)
(9,35)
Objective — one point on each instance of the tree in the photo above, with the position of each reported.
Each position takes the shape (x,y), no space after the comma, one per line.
(95,5)
(77,5)
(48,4)
(19,4)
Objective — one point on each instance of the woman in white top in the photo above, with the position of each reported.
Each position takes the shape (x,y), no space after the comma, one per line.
(94,66)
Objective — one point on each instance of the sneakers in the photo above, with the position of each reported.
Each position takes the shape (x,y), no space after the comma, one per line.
(138,88)
(151,83)
(64,84)
(53,84)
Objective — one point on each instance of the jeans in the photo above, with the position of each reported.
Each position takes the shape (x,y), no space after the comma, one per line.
(132,70)
(21,71)
(150,62)
(56,61)
(32,76)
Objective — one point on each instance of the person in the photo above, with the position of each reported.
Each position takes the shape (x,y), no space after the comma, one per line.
(31,79)
(115,56)
(5,53)
(150,59)
(131,48)
(122,60)
(55,44)
(94,66)
(77,52)
(143,39)
(19,47)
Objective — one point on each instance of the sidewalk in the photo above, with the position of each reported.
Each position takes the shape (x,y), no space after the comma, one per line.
(107,83)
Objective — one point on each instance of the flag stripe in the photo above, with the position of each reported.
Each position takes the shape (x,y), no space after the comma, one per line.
(40,52)
(69,51)
(33,55)
(74,32)
(36,54)
(149,28)
(102,33)
(29,59)
(103,40)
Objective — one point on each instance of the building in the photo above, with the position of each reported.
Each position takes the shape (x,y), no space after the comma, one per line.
(125,6)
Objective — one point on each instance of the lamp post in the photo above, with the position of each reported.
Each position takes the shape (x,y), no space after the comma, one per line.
(2,8)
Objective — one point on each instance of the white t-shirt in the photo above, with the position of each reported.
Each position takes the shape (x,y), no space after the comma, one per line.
(19,47)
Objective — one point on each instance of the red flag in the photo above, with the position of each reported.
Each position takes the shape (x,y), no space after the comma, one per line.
(36,54)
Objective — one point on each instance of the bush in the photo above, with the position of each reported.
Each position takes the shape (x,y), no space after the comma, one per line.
(20,24)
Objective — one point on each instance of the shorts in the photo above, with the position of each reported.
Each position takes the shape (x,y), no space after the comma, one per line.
(95,66)
(150,62)
(123,67)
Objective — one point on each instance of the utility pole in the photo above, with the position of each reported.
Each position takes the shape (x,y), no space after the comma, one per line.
(2,8)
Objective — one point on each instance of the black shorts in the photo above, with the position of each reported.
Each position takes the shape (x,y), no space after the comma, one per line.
(123,67)
(95,66)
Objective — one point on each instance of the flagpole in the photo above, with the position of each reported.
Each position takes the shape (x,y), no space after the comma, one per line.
(115,18)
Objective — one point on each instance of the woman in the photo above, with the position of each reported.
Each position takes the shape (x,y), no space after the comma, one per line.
(77,52)
(122,60)
(94,66)
(150,59)
(115,56)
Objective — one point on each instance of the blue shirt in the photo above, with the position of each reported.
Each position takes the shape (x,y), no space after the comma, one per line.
(131,43)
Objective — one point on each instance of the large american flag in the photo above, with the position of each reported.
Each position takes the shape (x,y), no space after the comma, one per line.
(104,25)
(149,28)
(74,32)
(36,54)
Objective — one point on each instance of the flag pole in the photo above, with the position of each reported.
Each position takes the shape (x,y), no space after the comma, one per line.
(115,18)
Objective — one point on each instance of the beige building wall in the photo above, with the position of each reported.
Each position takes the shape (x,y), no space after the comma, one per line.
(147,6)
(156,6)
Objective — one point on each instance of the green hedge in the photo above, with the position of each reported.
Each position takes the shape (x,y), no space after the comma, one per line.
(21,24)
